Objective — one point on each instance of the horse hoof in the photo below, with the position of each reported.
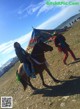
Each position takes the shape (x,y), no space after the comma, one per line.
(34,88)
(58,81)
(45,85)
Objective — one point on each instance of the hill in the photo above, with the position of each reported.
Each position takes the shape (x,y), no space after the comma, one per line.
(64,95)
(69,22)
(5,67)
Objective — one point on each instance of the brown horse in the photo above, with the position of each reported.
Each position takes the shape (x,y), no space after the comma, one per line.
(37,54)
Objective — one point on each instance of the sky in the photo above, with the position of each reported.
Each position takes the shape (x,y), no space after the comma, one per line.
(17,17)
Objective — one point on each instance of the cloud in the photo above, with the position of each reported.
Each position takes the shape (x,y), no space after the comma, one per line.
(54,21)
(32,8)
(6,48)
(38,8)
(42,7)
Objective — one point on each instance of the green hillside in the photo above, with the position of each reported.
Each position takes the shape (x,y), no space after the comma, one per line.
(64,95)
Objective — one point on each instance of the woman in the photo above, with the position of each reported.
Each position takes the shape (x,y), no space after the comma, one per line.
(24,58)
(60,42)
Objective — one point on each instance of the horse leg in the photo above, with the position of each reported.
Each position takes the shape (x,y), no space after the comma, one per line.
(41,76)
(24,83)
(30,84)
(48,71)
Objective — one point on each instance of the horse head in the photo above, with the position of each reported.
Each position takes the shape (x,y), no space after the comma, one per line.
(45,47)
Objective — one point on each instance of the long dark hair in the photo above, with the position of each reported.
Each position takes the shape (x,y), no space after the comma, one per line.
(17,45)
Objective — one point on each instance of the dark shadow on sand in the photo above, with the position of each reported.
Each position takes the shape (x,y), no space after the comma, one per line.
(70,87)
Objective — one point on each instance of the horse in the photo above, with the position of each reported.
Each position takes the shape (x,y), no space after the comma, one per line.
(37,54)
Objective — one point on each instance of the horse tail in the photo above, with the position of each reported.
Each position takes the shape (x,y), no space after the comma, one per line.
(22,80)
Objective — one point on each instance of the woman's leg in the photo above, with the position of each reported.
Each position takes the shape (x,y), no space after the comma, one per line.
(72,54)
(65,55)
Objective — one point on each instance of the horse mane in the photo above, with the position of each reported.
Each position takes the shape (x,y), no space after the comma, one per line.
(29,49)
